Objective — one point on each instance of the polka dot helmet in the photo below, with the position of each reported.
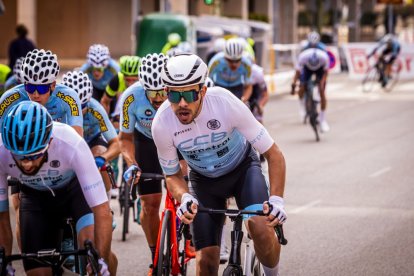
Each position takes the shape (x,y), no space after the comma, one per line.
(79,82)
(17,70)
(98,55)
(150,71)
(40,67)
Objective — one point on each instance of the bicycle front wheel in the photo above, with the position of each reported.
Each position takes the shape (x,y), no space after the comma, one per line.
(233,270)
(164,253)
(370,79)
(393,79)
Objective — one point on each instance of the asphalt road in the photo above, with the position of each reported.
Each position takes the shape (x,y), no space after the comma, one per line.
(349,197)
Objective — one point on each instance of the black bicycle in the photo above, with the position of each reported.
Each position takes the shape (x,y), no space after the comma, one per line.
(376,75)
(126,201)
(311,106)
(234,267)
(53,258)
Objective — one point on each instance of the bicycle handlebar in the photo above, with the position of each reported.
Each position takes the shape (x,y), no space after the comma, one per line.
(108,168)
(232,213)
(41,256)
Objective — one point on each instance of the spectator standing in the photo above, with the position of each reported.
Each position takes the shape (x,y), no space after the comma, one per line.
(20,46)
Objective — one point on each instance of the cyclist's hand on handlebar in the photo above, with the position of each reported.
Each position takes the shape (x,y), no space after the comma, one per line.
(275,209)
(188,208)
(103,268)
(100,161)
(10,271)
(128,173)
(104,271)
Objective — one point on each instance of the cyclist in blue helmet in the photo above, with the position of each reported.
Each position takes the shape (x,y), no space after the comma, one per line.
(54,166)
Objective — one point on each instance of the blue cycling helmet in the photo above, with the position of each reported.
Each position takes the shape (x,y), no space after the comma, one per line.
(26,128)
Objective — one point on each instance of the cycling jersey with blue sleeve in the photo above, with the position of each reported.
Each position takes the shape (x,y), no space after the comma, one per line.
(63,104)
(215,142)
(313,59)
(110,71)
(96,122)
(68,156)
(11,82)
(221,74)
(137,111)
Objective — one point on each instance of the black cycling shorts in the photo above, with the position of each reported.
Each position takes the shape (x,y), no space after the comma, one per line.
(42,214)
(98,141)
(147,158)
(307,73)
(246,183)
(236,90)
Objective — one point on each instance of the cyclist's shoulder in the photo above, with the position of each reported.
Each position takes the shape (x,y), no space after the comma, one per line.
(61,91)
(65,134)
(136,90)
(216,60)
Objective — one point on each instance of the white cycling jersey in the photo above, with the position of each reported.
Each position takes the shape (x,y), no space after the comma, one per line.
(68,156)
(313,59)
(215,142)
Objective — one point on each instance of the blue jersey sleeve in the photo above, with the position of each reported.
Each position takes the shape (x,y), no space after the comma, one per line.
(102,119)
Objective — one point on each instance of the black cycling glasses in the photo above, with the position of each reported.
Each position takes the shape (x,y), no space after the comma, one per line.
(235,61)
(40,88)
(153,93)
(189,96)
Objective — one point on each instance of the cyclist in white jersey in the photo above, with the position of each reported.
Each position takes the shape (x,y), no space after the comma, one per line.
(215,133)
(58,180)
(98,130)
(313,61)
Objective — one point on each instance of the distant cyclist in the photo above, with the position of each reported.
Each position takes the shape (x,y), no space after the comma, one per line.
(17,77)
(389,48)
(100,67)
(98,130)
(312,61)
(314,41)
(140,103)
(231,69)
(54,165)
(121,81)
(216,133)
(173,40)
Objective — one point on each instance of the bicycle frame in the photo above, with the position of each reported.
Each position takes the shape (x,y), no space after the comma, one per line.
(311,107)
(53,258)
(178,258)
(234,265)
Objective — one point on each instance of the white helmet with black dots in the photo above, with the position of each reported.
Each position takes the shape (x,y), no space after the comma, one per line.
(80,82)
(40,67)
(150,71)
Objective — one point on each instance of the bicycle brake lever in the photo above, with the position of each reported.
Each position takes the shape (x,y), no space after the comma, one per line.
(280,234)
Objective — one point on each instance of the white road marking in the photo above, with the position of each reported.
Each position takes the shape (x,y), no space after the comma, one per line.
(304,207)
(380,172)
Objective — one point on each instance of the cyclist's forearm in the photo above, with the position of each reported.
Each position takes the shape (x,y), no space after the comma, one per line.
(296,76)
(103,229)
(126,142)
(113,150)
(177,185)
(264,99)
(277,170)
(105,102)
(247,93)
(79,130)
(6,237)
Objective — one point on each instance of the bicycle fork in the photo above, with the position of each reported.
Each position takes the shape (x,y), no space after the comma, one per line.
(236,240)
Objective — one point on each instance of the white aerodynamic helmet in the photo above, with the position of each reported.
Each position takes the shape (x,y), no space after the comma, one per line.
(98,55)
(80,82)
(314,38)
(17,69)
(150,71)
(234,49)
(40,67)
(184,70)
(209,82)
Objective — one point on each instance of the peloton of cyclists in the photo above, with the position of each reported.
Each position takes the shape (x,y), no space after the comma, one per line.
(216,133)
